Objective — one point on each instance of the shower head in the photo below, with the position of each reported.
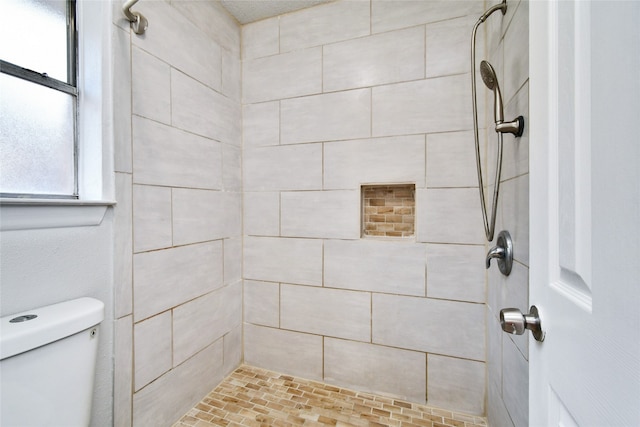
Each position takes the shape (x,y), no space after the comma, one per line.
(488,75)
(489,78)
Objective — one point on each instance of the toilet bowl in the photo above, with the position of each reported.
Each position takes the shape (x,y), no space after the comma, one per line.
(47,364)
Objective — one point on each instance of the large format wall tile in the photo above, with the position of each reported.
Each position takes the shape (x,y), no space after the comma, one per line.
(123,247)
(262,214)
(122,95)
(204,320)
(456,383)
(214,20)
(232,167)
(494,350)
(391,15)
(152,348)
(231,77)
(232,343)
(122,371)
(448,46)
(449,215)
(516,150)
(375,368)
(163,155)
(189,50)
(283,260)
(496,409)
(514,197)
(516,64)
(348,164)
(375,265)
(515,382)
(169,397)
(380,59)
(327,117)
(201,215)
(261,38)
(456,272)
(282,76)
(329,312)
(439,104)
(325,214)
(151,218)
(285,351)
(166,278)
(232,259)
(261,124)
(262,303)
(433,326)
(201,110)
(514,292)
(296,167)
(451,160)
(151,86)
(341,20)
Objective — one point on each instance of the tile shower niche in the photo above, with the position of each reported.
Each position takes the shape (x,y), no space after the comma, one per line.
(388,210)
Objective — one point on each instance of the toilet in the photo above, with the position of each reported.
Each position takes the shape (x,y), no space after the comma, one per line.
(47,364)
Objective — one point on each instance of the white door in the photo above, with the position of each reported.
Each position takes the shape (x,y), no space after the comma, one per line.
(585,212)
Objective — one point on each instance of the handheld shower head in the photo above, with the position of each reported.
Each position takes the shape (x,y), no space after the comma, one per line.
(489,78)
(488,75)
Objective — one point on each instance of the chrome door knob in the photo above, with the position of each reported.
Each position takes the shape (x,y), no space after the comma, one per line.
(514,322)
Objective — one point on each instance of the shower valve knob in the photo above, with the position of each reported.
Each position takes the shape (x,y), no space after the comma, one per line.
(514,322)
(503,251)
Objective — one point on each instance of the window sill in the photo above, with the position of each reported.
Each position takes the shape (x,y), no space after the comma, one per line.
(28,214)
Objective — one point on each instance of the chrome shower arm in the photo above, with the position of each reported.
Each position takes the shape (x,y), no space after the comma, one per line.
(502,6)
(139,23)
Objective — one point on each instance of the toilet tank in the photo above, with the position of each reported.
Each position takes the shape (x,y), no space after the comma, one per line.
(47,364)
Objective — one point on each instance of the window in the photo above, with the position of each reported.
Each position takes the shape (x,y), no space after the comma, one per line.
(86,190)
(39,103)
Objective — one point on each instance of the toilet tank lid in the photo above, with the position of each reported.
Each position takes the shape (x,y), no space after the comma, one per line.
(52,323)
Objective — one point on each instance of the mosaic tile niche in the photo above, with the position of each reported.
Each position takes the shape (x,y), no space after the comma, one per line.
(388,210)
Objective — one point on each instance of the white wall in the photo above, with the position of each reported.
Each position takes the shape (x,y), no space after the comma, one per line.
(178,245)
(54,252)
(507,355)
(46,266)
(344,94)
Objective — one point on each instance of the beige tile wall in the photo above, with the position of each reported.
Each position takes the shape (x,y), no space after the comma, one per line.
(319,109)
(507,355)
(178,245)
(334,97)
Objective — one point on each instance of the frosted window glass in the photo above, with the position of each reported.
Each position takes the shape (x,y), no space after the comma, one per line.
(33,35)
(36,139)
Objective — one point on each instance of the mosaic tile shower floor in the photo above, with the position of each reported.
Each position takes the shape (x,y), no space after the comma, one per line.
(256,397)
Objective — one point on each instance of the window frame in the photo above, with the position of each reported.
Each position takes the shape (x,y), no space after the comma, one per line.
(69,88)
(94,124)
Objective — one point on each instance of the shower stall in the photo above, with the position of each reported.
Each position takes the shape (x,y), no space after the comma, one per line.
(240,203)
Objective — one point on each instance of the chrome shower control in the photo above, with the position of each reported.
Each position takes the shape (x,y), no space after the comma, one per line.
(503,251)
(514,322)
